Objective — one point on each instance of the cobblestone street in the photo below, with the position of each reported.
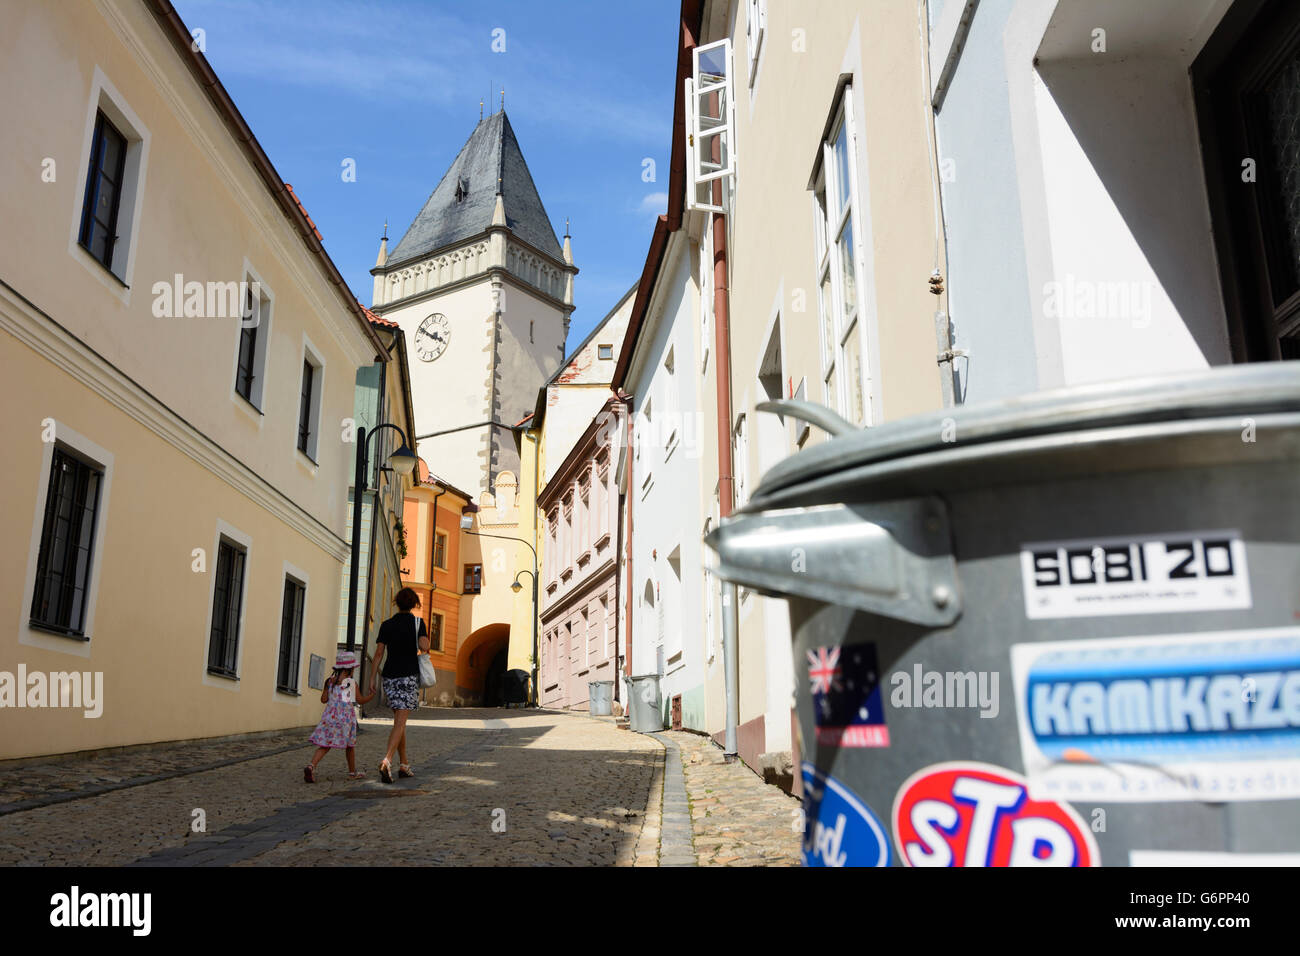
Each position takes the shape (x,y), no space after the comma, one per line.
(492,788)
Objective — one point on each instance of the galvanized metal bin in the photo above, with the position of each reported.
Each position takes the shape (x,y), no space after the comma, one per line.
(1057,630)
(643,706)
(600,698)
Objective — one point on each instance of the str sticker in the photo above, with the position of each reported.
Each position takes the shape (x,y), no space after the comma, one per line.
(1208,717)
(975,814)
(1201,571)
(847,708)
(839,829)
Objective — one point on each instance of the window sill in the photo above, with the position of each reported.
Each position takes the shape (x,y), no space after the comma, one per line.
(91,256)
(584,557)
(248,408)
(228,675)
(308,462)
(58,631)
(564,577)
(283,690)
(602,541)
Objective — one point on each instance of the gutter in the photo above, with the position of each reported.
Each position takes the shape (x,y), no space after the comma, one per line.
(176,30)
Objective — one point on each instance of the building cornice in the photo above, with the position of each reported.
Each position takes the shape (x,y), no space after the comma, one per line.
(593,579)
(45,336)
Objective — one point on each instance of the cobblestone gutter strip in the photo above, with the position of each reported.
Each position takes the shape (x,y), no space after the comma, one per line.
(646,852)
(243,841)
(96,790)
(677,841)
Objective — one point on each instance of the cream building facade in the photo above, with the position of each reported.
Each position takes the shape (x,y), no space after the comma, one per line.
(177,463)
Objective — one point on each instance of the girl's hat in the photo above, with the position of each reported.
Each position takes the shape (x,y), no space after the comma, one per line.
(346,660)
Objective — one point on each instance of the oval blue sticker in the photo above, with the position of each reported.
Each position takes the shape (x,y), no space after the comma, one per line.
(839,829)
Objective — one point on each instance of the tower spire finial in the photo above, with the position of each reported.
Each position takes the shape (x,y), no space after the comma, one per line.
(480,109)
(503,97)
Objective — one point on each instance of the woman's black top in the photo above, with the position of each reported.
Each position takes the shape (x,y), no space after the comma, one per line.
(398,635)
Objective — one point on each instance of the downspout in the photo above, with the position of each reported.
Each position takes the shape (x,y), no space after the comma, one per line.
(618,578)
(726,483)
(534,690)
(627,507)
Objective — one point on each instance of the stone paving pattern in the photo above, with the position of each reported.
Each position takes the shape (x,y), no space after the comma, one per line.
(492,788)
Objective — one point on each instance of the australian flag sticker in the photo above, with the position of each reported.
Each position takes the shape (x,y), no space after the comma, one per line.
(847,706)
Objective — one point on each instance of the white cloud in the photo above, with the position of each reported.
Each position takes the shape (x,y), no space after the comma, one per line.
(654,202)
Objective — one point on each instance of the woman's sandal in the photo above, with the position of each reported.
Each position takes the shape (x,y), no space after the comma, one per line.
(309,773)
(385,772)
(405,770)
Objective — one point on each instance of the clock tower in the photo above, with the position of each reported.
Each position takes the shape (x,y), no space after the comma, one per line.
(483,291)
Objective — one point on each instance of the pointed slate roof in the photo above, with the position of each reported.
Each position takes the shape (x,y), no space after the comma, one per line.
(463,202)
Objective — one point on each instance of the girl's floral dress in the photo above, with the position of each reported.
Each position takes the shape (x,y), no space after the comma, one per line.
(338,725)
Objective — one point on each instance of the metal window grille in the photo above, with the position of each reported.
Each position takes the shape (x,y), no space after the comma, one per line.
(67,545)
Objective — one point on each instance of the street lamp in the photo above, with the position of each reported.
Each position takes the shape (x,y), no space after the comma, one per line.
(465,522)
(401,461)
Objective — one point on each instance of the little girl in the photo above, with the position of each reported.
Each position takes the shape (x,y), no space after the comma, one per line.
(338,725)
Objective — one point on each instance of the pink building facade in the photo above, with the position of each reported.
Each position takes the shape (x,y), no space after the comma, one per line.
(579,592)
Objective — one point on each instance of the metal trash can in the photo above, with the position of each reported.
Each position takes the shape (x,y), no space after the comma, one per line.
(643,707)
(1062,629)
(600,698)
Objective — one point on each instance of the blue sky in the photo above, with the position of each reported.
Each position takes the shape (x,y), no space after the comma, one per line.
(396,86)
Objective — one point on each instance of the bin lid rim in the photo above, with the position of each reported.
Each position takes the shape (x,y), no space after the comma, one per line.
(1252,389)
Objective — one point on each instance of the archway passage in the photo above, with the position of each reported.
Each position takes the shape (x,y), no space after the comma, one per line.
(494,681)
(476,661)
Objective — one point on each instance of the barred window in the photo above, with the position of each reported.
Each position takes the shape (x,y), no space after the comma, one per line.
(286,678)
(67,545)
(227,599)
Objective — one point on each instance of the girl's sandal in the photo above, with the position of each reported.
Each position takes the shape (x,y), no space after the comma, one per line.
(405,770)
(309,773)
(385,772)
(358,775)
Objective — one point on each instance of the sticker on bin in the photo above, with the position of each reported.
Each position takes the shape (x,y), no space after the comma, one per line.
(839,829)
(845,687)
(1202,571)
(975,814)
(1209,717)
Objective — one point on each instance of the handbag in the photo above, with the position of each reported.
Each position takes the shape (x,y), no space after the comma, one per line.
(427,676)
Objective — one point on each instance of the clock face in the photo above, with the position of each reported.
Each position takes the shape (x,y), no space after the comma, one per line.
(432,336)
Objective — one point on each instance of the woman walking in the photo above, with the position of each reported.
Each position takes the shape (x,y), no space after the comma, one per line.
(400,639)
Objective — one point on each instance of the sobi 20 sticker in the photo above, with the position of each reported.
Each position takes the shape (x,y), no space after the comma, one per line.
(975,814)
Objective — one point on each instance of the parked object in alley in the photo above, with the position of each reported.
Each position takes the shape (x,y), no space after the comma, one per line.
(1123,557)
(643,707)
(600,694)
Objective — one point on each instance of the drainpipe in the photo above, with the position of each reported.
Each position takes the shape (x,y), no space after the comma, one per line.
(726,483)
(535,693)
(618,577)
(627,498)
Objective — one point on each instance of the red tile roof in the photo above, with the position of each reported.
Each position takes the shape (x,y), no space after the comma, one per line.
(378,319)
(303,210)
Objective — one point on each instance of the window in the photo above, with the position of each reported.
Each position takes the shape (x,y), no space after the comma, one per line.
(440,550)
(305,434)
(584,517)
(295,593)
(710,127)
(706,294)
(740,461)
(605,351)
(473,578)
(104,183)
(67,545)
(309,402)
(843,374)
(254,332)
(755,27)
(593,636)
(227,601)
(1248,84)
(435,632)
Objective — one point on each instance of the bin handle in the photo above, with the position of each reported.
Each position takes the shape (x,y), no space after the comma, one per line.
(810,412)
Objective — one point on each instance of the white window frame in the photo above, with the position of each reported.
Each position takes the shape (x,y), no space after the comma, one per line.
(299,576)
(740,461)
(833,213)
(670,416)
(706,294)
(312,355)
(755,31)
(697,86)
(105,97)
(102,459)
(255,406)
(245,541)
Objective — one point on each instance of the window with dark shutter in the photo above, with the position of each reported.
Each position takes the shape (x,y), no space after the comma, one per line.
(67,545)
(247,369)
(304,409)
(227,598)
(103,197)
(286,678)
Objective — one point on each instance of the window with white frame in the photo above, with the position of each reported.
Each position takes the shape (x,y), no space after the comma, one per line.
(709,639)
(710,127)
(440,550)
(839,269)
(755,28)
(254,334)
(670,424)
(309,401)
(706,294)
(740,461)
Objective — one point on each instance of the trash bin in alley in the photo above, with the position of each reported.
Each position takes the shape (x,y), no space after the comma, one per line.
(600,698)
(1062,629)
(515,687)
(643,707)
